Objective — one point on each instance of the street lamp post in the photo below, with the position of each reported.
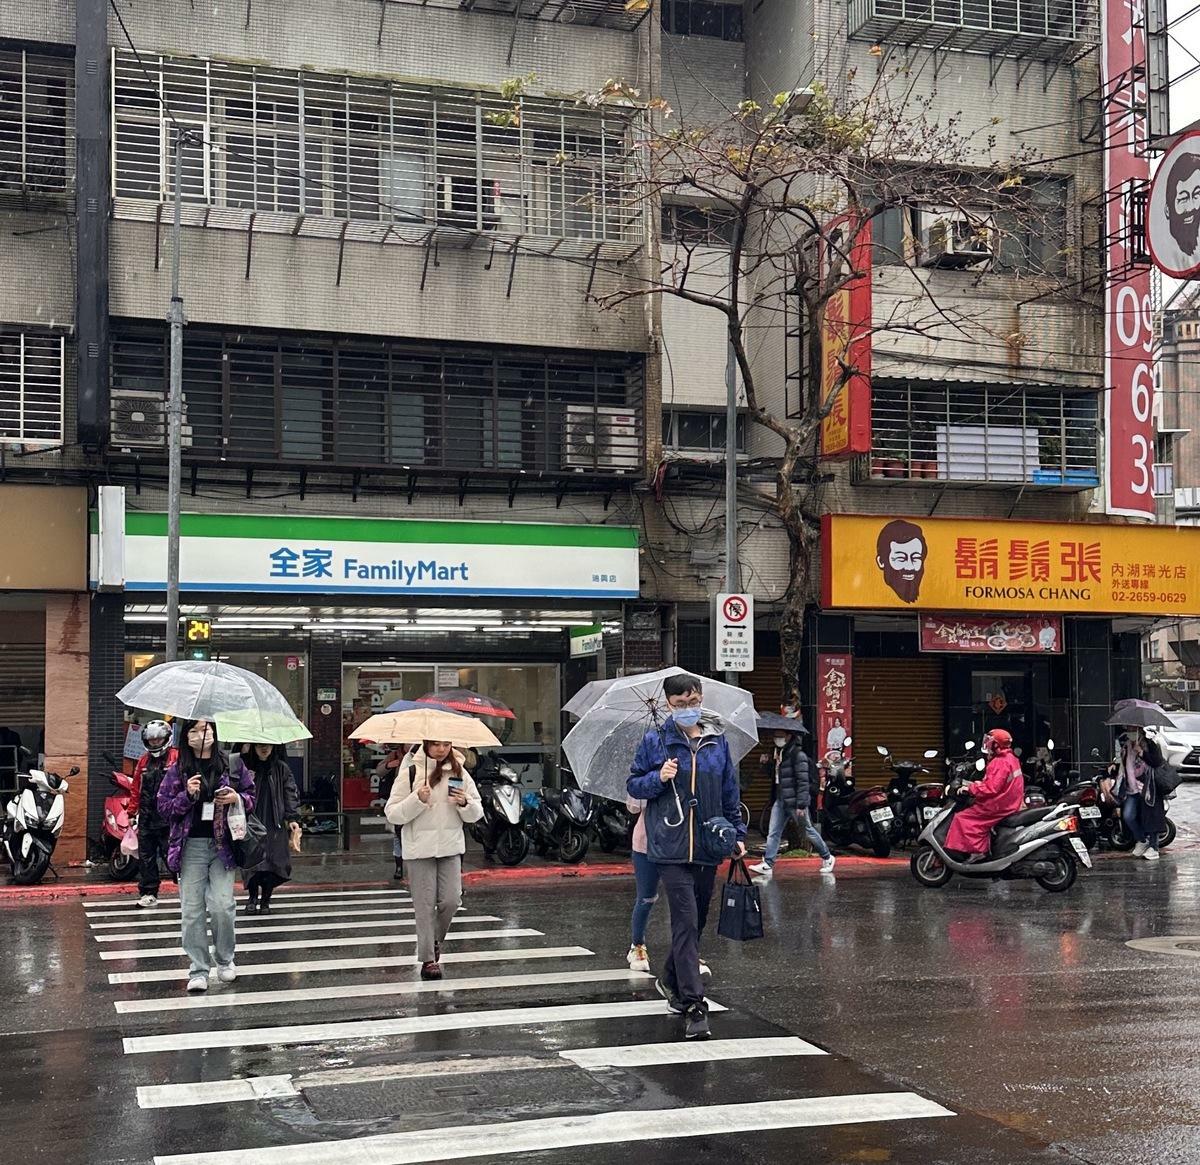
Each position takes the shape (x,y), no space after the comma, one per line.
(175,317)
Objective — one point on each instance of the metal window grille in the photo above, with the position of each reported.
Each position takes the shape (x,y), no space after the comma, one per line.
(396,159)
(1039,29)
(382,404)
(602,13)
(37,123)
(924,431)
(32,369)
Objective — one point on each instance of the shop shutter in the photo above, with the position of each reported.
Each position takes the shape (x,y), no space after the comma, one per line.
(22,684)
(898,703)
(765,682)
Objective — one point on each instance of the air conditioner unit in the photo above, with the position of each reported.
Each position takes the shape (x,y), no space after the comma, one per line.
(953,239)
(139,420)
(600,438)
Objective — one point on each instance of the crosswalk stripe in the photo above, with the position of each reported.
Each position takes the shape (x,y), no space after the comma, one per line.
(172,919)
(215,1092)
(280,896)
(373,990)
(310,1033)
(517,954)
(650,1055)
(505,1139)
(358,940)
(333,905)
(306,927)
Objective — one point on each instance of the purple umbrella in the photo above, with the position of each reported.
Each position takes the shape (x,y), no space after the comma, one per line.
(1139,714)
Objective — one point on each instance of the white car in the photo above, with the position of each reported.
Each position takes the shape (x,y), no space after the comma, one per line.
(1181,744)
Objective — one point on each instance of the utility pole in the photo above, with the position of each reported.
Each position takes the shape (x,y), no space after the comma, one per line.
(732,573)
(175,416)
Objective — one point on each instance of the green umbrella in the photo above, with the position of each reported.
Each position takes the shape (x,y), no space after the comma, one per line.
(252,726)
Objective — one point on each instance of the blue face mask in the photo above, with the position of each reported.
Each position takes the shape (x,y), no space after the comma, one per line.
(688,717)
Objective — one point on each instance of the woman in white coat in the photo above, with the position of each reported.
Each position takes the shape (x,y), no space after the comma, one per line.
(432,798)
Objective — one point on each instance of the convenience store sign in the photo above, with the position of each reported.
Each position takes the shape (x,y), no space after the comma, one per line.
(375,556)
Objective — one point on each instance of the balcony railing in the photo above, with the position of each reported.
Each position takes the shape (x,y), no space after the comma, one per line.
(601,13)
(1046,29)
(371,159)
(1001,434)
(37,123)
(320,402)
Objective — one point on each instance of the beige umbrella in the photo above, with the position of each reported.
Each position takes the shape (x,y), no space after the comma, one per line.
(409,727)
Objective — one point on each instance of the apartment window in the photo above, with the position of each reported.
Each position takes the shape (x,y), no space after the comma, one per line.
(697,226)
(37,119)
(702,18)
(298,143)
(31,387)
(694,431)
(309,399)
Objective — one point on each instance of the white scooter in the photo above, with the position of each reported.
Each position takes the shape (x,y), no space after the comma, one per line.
(33,820)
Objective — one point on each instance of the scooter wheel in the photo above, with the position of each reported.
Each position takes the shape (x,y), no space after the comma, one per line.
(1065,873)
(1120,838)
(31,870)
(1168,835)
(573,846)
(881,842)
(512,847)
(122,867)
(928,869)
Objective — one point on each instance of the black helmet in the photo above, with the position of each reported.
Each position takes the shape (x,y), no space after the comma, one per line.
(156,736)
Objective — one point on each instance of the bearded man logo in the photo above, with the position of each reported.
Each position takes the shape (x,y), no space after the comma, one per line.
(900,553)
(1183,204)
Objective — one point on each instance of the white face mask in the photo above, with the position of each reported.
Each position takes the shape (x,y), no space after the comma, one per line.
(780,741)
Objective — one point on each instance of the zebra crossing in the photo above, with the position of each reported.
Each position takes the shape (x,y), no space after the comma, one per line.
(336,1051)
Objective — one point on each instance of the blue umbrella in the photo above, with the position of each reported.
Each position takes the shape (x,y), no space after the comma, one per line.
(413,706)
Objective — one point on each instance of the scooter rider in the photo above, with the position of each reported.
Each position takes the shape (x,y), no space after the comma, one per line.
(152,829)
(1000,794)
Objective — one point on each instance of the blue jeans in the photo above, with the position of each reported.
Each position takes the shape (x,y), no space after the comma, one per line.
(205,889)
(775,833)
(1131,815)
(646,876)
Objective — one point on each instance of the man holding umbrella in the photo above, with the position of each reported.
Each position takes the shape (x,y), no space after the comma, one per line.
(685,773)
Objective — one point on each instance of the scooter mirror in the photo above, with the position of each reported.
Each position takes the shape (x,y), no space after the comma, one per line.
(1049,745)
(848,742)
(981,764)
(930,753)
(1095,754)
(968,746)
(881,749)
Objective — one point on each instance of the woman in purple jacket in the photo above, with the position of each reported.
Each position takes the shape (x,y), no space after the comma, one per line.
(194,798)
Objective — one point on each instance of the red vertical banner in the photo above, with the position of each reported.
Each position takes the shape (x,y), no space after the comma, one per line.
(835,702)
(1128,330)
(846,343)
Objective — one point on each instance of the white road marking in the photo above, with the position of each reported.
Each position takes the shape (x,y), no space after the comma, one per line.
(649,1055)
(306,927)
(507,1139)
(369,1029)
(171,906)
(358,940)
(371,990)
(215,1092)
(171,918)
(280,896)
(519,954)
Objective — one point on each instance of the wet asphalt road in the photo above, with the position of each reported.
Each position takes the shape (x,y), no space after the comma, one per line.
(1023,1014)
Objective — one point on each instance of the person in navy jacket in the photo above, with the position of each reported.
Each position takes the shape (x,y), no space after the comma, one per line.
(686,776)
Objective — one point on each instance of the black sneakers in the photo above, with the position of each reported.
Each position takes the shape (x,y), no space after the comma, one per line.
(674,1003)
(696,1023)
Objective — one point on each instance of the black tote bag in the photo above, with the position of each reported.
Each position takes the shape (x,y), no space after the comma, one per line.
(253,847)
(741,909)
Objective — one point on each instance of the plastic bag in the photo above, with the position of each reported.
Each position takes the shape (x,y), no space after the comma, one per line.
(235,820)
(129,842)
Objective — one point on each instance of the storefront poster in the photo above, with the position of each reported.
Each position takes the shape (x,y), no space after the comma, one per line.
(1128,316)
(372,556)
(1023,634)
(835,678)
(977,565)
(846,348)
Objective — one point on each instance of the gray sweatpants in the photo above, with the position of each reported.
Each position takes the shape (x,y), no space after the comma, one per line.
(436,888)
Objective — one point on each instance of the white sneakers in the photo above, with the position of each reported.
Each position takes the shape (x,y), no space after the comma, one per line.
(1140,848)
(705,970)
(147,901)
(638,959)
(197,983)
(827,864)
(1151,855)
(761,868)
(227,974)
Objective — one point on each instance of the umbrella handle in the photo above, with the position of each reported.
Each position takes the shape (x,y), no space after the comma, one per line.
(679,806)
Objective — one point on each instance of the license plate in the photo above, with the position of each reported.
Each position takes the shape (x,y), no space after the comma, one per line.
(930,812)
(884,814)
(1081,850)
(1089,811)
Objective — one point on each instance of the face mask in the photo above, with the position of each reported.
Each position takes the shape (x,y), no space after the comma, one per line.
(688,717)
(780,741)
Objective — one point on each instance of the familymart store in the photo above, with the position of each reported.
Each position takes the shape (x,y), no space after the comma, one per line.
(346,615)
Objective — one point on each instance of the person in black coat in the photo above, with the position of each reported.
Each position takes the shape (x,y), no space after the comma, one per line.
(795,780)
(277,806)
(1143,808)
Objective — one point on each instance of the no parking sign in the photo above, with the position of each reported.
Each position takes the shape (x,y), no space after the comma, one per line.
(733,633)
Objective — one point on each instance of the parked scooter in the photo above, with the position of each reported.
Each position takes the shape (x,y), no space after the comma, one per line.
(563,824)
(1112,824)
(849,816)
(499,829)
(33,820)
(119,810)
(613,826)
(1042,844)
(908,798)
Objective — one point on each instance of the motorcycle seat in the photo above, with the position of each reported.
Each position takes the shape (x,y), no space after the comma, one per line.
(1025,817)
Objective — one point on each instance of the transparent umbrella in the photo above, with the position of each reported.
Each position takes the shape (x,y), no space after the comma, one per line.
(579,703)
(194,689)
(601,747)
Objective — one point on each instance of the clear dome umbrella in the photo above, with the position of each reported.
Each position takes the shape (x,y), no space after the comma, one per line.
(601,747)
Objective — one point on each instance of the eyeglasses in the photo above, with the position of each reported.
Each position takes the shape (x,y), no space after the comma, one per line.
(681,702)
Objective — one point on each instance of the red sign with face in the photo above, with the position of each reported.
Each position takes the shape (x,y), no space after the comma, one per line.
(1024,634)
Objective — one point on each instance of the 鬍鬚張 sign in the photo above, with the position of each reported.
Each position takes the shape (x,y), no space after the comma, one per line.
(956,564)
